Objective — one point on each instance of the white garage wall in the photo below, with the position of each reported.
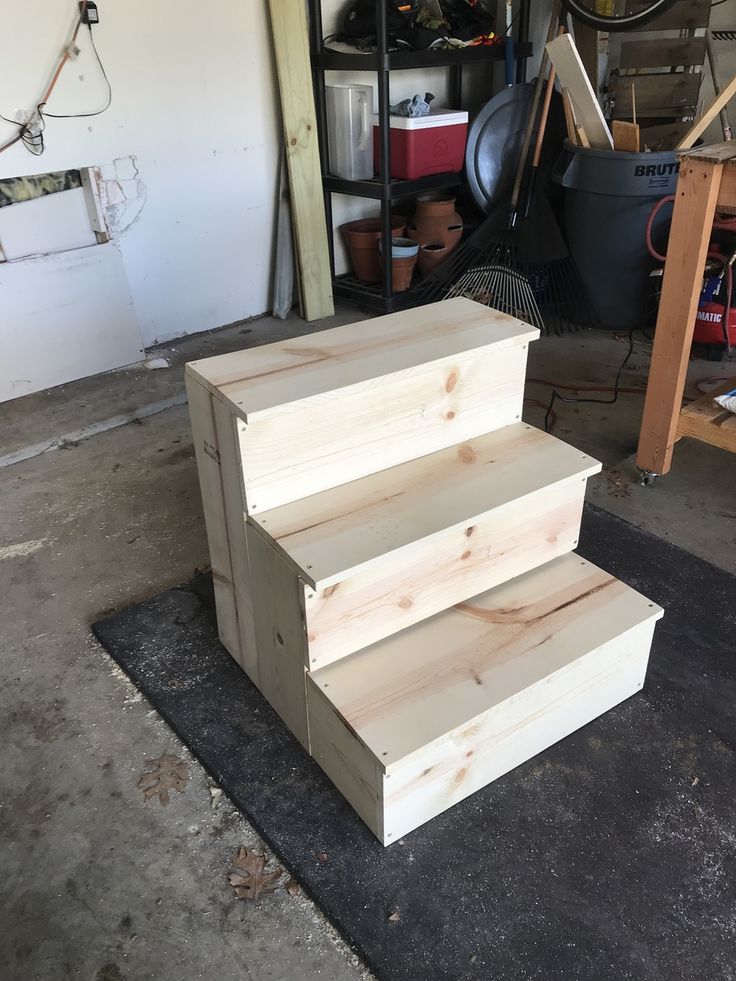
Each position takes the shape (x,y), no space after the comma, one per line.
(188,150)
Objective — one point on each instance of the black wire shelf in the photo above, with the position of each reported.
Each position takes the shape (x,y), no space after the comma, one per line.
(391,190)
(399,60)
(369,296)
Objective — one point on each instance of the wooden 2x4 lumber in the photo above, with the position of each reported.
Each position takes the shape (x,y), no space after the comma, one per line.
(709,422)
(289,29)
(692,219)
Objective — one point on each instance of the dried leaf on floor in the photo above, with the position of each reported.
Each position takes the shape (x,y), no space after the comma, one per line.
(619,485)
(165,773)
(252,881)
(292,887)
(394,917)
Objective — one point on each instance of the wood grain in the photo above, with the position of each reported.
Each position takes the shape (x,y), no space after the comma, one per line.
(265,378)
(695,204)
(291,52)
(703,419)
(307,447)
(370,521)
(451,703)
(662,52)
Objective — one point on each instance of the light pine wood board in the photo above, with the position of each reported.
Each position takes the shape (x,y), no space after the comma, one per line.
(450,704)
(219,467)
(657,94)
(291,52)
(708,115)
(264,378)
(625,136)
(504,543)
(588,113)
(703,419)
(337,533)
(277,598)
(307,447)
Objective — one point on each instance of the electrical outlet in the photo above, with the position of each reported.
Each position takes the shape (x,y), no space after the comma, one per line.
(89,12)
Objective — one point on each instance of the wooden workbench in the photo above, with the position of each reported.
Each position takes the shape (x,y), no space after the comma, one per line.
(707,184)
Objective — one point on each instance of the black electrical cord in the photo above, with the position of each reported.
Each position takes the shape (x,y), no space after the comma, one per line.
(556,397)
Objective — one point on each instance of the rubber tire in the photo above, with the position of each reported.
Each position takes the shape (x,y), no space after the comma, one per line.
(629,22)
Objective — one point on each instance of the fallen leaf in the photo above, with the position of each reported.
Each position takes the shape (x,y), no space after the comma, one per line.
(255,881)
(394,918)
(696,781)
(165,773)
(292,887)
(322,857)
(619,483)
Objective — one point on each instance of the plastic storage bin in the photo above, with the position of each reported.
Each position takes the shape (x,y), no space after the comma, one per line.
(433,144)
(349,136)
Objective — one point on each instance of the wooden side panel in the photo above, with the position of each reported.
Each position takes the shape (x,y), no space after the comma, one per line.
(683,15)
(332,439)
(280,635)
(662,52)
(347,762)
(449,770)
(657,94)
(209,468)
(442,571)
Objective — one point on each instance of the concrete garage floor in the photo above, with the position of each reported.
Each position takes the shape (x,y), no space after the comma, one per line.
(95,882)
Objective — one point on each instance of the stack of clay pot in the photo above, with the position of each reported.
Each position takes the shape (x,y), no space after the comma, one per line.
(438,228)
(362,238)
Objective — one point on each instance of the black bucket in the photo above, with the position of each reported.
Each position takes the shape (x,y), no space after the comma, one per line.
(609,195)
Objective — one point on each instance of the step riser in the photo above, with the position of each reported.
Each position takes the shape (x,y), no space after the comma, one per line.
(417,789)
(306,447)
(442,571)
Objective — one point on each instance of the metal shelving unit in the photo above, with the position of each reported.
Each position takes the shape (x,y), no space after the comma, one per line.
(381,297)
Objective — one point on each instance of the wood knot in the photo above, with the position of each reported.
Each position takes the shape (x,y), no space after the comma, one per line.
(330,590)
(466,453)
(450,415)
(292,141)
(451,381)
(405,603)
(469,531)
(466,554)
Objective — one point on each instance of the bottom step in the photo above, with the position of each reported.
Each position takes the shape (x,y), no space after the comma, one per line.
(414,724)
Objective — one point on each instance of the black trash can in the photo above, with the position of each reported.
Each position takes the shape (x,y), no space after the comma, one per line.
(609,195)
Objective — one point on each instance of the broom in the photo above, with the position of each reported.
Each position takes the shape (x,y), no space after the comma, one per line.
(520,266)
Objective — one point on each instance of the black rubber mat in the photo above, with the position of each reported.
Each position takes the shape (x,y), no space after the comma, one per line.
(610,856)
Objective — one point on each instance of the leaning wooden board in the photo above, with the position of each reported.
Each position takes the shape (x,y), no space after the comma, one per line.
(291,51)
(571,72)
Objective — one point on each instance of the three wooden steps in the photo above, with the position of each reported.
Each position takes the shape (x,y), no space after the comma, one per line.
(392,555)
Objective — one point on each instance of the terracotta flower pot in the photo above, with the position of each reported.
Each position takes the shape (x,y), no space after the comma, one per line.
(431,256)
(436,222)
(362,238)
(401,272)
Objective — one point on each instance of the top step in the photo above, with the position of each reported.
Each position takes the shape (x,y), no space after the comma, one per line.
(264,378)
(318,411)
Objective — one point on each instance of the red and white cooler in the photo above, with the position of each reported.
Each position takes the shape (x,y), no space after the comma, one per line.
(433,144)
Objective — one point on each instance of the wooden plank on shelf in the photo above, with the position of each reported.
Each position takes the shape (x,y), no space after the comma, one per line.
(291,52)
(572,75)
(662,52)
(683,15)
(662,136)
(657,94)
(708,422)
(692,219)
(450,704)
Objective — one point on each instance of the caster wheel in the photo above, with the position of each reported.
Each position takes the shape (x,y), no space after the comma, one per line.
(647,478)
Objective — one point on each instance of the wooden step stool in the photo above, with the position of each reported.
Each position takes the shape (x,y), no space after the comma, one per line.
(391,550)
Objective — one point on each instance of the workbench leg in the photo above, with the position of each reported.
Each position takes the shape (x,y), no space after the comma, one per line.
(695,204)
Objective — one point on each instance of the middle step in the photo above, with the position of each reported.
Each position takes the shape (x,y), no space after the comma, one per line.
(374,556)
